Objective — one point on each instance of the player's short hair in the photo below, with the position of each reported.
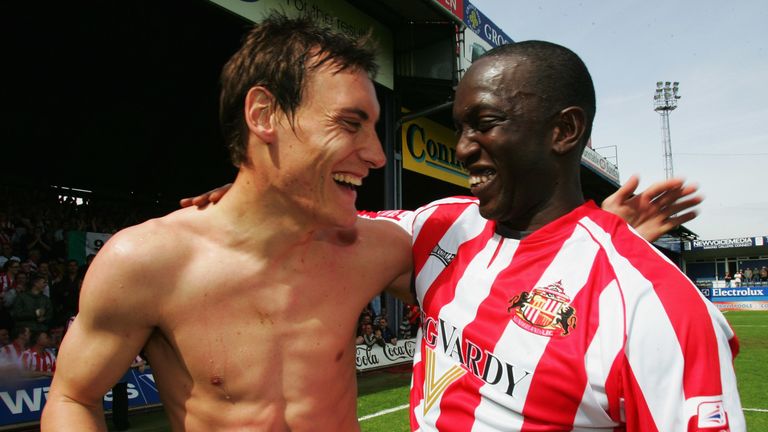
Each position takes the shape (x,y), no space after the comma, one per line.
(279,54)
(560,77)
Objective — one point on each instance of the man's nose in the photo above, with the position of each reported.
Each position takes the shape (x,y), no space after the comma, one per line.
(465,146)
(373,153)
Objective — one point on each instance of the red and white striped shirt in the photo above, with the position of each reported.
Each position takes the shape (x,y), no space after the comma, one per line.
(582,325)
(11,354)
(43,362)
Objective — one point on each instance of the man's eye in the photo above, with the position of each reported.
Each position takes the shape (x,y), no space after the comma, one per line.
(351,124)
(486,125)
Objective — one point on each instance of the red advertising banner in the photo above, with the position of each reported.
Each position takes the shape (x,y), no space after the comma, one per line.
(456,7)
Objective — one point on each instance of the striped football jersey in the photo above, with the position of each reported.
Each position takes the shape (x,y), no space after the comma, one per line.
(582,325)
(34,362)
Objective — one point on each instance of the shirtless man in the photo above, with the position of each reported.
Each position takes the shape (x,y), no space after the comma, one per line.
(281,261)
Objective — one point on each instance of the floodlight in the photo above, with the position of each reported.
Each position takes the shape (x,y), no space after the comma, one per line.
(665,100)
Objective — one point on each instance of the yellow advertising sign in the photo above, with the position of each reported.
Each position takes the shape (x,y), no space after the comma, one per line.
(430,149)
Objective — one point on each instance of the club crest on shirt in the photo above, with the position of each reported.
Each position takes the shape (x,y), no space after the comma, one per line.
(544,311)
(443,255)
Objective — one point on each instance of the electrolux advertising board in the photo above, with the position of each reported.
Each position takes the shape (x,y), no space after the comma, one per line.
(738,297)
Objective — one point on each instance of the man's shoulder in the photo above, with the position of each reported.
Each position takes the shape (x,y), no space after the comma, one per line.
(154,232)
(154,243)
(453,201)
(625,249)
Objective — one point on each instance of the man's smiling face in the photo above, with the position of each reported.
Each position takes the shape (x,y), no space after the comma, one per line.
(332,145)
(503,139)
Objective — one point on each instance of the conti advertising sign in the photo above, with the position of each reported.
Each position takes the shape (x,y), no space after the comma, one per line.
(430,149)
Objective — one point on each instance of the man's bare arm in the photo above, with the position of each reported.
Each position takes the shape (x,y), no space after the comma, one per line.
(114,322)
(653,212)
(658,209)
(401,288)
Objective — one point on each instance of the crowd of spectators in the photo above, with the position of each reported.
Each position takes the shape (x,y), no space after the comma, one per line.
(747,277)
(374,328)
(39,285)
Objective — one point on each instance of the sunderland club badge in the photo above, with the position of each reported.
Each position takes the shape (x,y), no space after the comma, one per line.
(544,311)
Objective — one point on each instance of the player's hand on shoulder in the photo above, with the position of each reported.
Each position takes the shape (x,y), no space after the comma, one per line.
(211,197)
(655,211)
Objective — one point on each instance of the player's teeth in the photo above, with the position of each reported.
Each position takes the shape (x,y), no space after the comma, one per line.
(348,179)
(476,180)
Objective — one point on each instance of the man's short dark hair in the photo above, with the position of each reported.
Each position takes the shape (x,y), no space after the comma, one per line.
(279,54)
(34,277)
(35,336)
(560,77)
(18,331)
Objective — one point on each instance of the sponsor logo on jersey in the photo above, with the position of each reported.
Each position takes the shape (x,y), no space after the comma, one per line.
(544,311)
(434,385)
(444,256)
(712,414)
(446,341)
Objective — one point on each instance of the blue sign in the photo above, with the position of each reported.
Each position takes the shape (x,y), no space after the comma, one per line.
(739,242)
(23,401)
(483,26)
(736,297)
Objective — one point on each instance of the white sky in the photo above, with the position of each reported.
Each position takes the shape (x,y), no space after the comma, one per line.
(717,50)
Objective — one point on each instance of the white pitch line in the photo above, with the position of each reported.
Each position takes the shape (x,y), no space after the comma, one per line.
(381,413)
(755,409)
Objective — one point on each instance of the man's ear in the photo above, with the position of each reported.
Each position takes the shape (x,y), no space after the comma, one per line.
(569,127)
(260,113)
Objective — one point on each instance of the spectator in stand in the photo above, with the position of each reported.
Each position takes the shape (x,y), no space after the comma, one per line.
(386,333)
(368,338)
(7,254)
(748,275)
(6,229)
(382,314)
(26,267)
(39,241)
(755,275)
(31,308)
(65,294)
(737,278)
(34,258)
(764,274)
(11,269)
(39,359)
(44,270)
(414,318)
(13,350)
(5,336)
(20,285)
(405,326)
(728,278)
